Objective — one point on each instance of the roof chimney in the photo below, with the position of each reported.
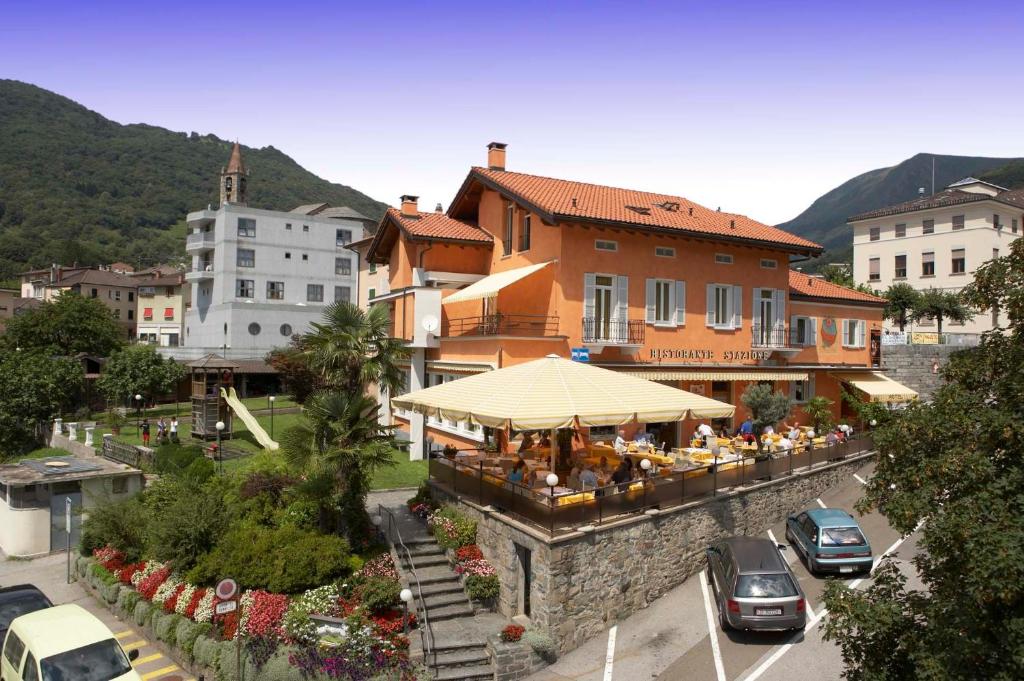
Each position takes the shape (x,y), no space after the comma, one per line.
(496,155)
(409,207)
(438,209)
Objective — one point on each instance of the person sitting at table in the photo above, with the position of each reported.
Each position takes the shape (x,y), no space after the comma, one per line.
(746,428)
(526,443)
(573,480)
(831,440)
(588,478)
(545,441)
(841,434)
(707,434)
(518,471)
(784,444)
(602,466)
(723,433)
(620,442)
(768,430)
(622,476)
(793,432)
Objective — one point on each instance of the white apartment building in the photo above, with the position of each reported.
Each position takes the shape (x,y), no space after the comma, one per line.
(260,276)
(938,241)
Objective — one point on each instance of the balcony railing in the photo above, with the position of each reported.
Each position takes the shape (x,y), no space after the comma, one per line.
(780,337)
(613,331)
(499,324)
(200,241)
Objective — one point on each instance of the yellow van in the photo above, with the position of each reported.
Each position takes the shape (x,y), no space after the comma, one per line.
(65,643)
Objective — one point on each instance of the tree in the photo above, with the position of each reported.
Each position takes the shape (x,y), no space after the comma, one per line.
(335,448)
(836,273)
(767,407)
(34,387)
(292,366)
(819,411)
(901,300)
(940,305)
(138,369)
(67,325)
(952,468)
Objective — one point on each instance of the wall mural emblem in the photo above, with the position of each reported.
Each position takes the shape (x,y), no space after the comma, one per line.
(828,331)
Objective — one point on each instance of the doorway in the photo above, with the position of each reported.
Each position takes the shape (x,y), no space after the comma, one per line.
(59,492)
(722,391)
(604,303)
(525,557)
(767,310)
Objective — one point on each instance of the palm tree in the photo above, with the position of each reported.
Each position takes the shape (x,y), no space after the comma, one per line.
(335,448)
(352,348)
(900,302)
(939,305)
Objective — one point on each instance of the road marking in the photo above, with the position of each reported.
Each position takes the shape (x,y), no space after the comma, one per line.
(159,672)
(860,479)
(712,628)
(148,658)
(609,657)
(771,535)
(133,645)
(124,634)
(821,503)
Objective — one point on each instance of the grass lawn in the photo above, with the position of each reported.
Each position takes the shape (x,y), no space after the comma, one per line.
(406,474)
(185,408)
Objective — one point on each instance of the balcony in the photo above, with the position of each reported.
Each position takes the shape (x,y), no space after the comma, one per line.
(599,333)
(780,339)
(499,324)
(203,273)
(199,242)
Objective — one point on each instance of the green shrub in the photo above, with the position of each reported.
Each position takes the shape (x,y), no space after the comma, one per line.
(206,651)
(200,470)
(542,644)
(422,496)
(380,593)
(174,459)
(301,513)
(187,633)
(82,564)
(166,628)
(122,524)
(100,577)
(142,611)
(281,560)
(227,666)
(111,592)
(452,529)
(188,526)
(127,600)
(278,668)
(482,587)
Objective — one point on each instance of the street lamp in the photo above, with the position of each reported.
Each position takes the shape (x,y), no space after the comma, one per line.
(376,520)
(646,465)
(271,398)
(552,480)
(874,423)
(220,455)
(138,415)
(406,596)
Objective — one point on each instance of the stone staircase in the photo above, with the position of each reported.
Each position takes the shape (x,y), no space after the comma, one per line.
(460,651)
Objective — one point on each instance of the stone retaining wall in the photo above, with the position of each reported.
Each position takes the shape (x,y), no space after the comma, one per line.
(75,447)
(585,581)
(911,365)
(513,661)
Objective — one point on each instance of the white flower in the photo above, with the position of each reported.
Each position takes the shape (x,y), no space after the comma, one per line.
(204,608)
(184,599)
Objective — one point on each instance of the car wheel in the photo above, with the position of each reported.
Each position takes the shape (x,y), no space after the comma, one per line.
(789,535)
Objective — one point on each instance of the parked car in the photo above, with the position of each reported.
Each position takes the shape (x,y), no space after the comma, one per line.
(19,600)
(830,539)
(64,643)
(754,587)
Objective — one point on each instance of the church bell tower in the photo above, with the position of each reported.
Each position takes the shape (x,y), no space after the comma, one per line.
(232,179)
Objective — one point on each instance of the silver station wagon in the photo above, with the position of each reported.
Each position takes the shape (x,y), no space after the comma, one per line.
(753,586)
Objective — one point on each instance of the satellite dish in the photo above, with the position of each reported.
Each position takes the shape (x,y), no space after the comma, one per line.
(430,323)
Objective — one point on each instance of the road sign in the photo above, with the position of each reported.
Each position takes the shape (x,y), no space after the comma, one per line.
(581,354)
(226,607)
(67,514)
(226,589)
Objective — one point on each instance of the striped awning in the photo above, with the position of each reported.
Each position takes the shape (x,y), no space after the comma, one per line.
(458,367)
(878,387)
(698,375)
(489,286)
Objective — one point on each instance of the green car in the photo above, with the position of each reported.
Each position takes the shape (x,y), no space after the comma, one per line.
(830,539)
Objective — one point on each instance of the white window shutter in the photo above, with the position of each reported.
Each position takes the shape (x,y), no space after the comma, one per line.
(622,297)
(779,297)
(793,328)
(589,284)
(861,327)
(812,324)
(846,333)
(680,303)
(710,316)
(737,307)
(652,298)
(755,312)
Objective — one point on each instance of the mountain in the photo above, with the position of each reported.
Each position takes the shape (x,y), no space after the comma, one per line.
(75,186)
(824,220)
(1010,175)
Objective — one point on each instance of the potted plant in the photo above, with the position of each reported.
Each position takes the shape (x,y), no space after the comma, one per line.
(116,421)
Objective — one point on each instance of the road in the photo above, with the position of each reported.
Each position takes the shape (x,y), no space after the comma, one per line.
(678,637)
(49,575)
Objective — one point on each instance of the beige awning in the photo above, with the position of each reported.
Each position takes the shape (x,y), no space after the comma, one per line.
(684,375)
(878,387)
(552,392)
(489,286)
(458,367)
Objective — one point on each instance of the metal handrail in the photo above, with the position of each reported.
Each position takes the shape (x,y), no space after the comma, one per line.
(501,324)
(427,632)
(613,331)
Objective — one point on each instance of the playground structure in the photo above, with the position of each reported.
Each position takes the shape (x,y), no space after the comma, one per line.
(210,376)
(231,397)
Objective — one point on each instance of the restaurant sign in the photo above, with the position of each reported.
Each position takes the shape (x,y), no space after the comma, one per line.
(706,354)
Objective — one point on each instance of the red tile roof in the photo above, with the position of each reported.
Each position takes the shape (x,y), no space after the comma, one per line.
(438,226)
(568,200)
(946,197)
(801,284)
(235,164)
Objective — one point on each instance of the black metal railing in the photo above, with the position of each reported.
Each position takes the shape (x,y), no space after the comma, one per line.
(394,536)
(577,508)
(778,336)
(500,324)
(613,331)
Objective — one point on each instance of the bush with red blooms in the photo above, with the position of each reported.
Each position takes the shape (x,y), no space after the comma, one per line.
(471,552)
(228,624)
(109,557)
(512,633)
(263,618)
(148,586)
(190,609)
(125,574)
(172,601)
(392,622)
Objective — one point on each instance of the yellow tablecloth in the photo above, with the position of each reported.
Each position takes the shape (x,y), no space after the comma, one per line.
(657,459)
(578,498)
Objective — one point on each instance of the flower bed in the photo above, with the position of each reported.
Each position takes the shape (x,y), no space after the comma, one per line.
(451,528)
(479,576)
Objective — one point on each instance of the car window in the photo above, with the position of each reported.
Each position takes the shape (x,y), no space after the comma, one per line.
(98,661)
(811,530)
(19,606)
(13,649)
(772,585)
(31,670)
(842,536)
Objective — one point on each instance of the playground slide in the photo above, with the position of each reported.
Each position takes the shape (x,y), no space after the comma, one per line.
(248,419)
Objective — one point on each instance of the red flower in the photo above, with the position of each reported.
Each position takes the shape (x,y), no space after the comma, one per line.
(229,625)
(264,615)
(512,633)
(466,553)
(149,585)
(391,623)
(124,575)
(190,609)
(172,600)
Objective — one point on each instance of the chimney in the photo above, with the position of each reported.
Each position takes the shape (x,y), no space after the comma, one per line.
(438,209)
(409,207)
(496,155)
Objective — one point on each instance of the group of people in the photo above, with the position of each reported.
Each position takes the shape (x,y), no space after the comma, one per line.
(166,431)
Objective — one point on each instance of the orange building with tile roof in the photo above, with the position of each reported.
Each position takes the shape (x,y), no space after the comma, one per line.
(522,266)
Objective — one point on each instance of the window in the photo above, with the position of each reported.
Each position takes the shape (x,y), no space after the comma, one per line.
(605,245)
(928,227)
(168,314)
(246,257)
(287,255)
(995,253)
(147,313)
(247,227)
(723,306)
(286,330)
(901,231)
(723,259)
(958,222)
(874,269)
(802,330)
(244,288)
(959,261)
(13,650)
(371,294)
(343,266)
(305,257)
(119,485)
(928,264)
(372,268)
(131,314)
(94,293)
(314,293)
(875,233)
(801,391)
(117,313)
(288,226)
(254,329)
(510,217)
(31,670)
(275,290)
(117,295)
(524,234)
(769,264)
(901,267)
(664,252)
(853,333)
(342,237)
(343,294)
(131,296)
(305,228)
(995,221)
(665,302)
(1013,225)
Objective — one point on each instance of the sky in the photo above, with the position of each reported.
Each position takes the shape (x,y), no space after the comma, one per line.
(754,107)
